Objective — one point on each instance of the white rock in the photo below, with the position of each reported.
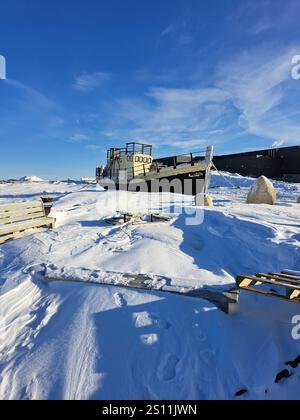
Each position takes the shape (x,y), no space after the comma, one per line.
(203,200)
(262,192)
(208,201)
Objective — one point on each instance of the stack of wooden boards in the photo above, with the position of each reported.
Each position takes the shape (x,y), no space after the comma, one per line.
(19,217)
(285,285)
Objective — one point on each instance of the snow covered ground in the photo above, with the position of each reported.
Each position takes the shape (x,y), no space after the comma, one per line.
(84,341)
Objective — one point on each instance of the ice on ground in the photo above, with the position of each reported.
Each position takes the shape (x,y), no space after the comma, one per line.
(84,341)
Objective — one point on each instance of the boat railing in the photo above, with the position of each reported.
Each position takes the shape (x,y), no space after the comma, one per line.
(160,164)
(174,161)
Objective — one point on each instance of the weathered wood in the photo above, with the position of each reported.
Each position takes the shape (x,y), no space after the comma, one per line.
(18,206)
(22,217)
(286,276)
(226,301)
(291,287)
(269,294)
(18,227)
(21,209)
(16,218)
(260,280)
(6,238)
(21,234)
(279,277)
(292,273)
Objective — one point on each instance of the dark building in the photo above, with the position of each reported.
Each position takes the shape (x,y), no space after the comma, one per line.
(281,164)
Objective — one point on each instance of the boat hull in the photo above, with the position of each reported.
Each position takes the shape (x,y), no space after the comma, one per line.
(190,183)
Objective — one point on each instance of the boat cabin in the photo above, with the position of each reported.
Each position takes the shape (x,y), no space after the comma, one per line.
(131,161)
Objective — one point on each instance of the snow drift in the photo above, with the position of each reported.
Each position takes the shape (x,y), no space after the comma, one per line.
(83,341)
(31,179)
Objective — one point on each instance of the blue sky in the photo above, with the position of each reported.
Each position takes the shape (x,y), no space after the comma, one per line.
(83,76)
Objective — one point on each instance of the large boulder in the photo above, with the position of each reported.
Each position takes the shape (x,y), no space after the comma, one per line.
(262,192)
(208,201)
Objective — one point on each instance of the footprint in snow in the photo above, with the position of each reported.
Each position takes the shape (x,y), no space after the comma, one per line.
(167,369)
(199,334)
(161,323)
(145,319)
(119,299)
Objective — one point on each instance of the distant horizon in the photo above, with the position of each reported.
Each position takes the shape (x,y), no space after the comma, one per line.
(79,178)
(77,78)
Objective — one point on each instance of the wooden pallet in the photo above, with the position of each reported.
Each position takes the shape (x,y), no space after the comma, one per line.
(19,217)
(283,285)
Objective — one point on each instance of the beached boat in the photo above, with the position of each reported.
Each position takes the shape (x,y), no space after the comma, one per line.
(133,168)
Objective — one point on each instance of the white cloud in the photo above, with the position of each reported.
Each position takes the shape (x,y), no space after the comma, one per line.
(174,117)
(188,145)
(32,96)
(264,93)
(168,30)
(179,33)
(250,94)
(89,82)
(260,26)
(93,147)
(79,137)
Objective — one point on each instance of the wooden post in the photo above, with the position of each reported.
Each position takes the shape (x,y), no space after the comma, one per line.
(192,163)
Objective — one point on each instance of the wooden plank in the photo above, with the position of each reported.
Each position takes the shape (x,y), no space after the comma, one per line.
(6,238)
(18,235)
(17,206)
(249,282)
(21,218)
(295,294)
(287,276)
(293,273)
(270,294)
(139,282)
(17,227)
(259,280)
(21,210)
(246,280)
(276,277)
(8,215)
(15,235)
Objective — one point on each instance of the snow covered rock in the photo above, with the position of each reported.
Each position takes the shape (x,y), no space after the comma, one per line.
(31,179)
(203,200)
(262,192)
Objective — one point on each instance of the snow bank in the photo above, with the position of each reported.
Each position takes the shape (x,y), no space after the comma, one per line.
(31,179)
(226,179)
(84,341)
